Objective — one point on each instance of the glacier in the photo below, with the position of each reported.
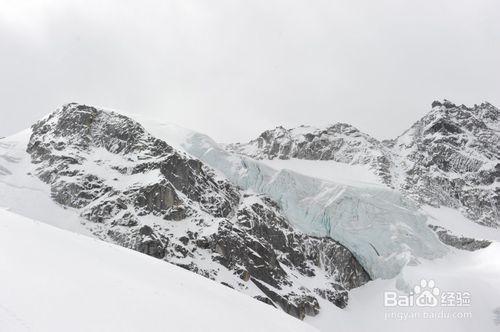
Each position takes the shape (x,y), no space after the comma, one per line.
(384,230)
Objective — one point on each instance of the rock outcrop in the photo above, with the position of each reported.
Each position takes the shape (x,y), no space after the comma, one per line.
(339,142)
(451,157)
(137,191)
(459,242)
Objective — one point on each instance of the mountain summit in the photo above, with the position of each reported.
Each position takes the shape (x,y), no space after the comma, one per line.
(451,157)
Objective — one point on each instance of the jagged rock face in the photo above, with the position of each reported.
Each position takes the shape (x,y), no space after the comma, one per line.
(258,244)
(339,142)
(137,174)
(451,157)
(137,191)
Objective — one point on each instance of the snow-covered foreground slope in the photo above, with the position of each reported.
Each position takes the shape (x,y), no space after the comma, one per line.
(55,280)
(475,274)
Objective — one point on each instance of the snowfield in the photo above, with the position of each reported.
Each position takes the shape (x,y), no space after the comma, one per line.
(475,273)
(354,175)
(55,280)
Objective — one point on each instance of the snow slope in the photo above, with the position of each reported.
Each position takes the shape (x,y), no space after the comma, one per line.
(354,175)
(55,280)
(476,273)
(459,225)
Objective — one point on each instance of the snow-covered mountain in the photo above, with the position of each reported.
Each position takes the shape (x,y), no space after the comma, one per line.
(296,219)
(133,189)
(450,157)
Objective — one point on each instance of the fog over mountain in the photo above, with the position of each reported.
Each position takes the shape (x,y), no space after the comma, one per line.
(233,68)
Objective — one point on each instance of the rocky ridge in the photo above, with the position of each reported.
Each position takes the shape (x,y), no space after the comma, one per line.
(339,142)
(137,191)
(450,157)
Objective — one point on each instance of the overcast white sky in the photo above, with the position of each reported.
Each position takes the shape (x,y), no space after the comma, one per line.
(234,68)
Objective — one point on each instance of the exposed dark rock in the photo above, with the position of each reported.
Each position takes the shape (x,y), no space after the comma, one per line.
(149,243)
(156,198)
(151,247)
(297,306)
(227,285)
(444,127)
(459,242)
(264,299)
(184,240)
(203,243)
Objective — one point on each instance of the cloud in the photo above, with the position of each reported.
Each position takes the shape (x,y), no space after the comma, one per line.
(233,68)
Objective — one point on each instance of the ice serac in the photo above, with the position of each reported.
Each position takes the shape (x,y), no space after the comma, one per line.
(451,157)
(134,189)
(384,230)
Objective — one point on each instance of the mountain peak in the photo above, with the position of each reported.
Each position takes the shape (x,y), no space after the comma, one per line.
(134,189)
(444,103)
